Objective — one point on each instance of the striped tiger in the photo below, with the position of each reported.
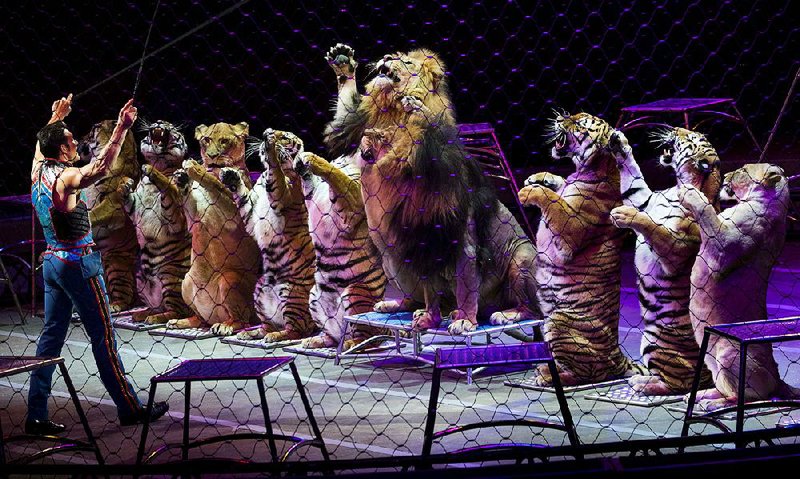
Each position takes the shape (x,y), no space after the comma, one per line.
(349,278)
(113,232)
(667,242)
(578,259)
(155,207)
(275,215)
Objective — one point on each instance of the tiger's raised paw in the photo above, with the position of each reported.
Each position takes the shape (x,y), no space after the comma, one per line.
(125,186)
(180,179)
(623,216)
(532,195)
(618,145)
(546,179)
(342,60)
(231,178)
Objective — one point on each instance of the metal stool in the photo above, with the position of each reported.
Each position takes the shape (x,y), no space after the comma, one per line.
(745,334)
(9,366)
(637,116)
(230,369)
(12,252)
(495,355)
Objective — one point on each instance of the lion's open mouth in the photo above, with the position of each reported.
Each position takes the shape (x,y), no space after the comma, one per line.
(384,70)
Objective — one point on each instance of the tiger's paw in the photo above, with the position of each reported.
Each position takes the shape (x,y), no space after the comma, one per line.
(533,195)
(649,385)
(623,216)
(194,169)
(546,179)
(302,164)
(282,335)
(342,60)
(184,323)
(225,329)
(424,319)
(618,145)
(125,187)
(249,334)
(231,178)
(181,179)
(116,307)
(318,341)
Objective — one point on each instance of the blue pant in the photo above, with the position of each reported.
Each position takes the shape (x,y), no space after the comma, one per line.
(65,286)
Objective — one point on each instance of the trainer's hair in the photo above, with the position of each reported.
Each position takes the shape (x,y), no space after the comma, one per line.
(51,137)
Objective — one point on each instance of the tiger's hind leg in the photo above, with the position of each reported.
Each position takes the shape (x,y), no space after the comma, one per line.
(162,318)
(545,379)
(185,323)
(520,288)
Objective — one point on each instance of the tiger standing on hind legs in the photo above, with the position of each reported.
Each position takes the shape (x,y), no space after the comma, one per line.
(274,214)
(155,206)
(578,259)
(667,242)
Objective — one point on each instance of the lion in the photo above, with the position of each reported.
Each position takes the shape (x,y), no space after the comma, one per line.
(442,233)
(225,259)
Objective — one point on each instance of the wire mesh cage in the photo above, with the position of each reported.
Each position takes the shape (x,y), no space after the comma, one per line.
(470,227)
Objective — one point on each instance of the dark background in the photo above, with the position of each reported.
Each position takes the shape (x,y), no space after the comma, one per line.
(509,63)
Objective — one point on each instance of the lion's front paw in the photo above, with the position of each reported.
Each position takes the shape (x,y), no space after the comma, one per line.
(461,326)
(231,178)
(425,319)
(342,60)
(690,196)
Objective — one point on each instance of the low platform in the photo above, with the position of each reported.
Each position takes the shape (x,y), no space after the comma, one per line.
(425,342)
(530,384)
(189,334)
(628,396)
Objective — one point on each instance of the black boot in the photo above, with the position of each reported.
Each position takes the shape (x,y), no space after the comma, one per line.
(159,409)
(43,427)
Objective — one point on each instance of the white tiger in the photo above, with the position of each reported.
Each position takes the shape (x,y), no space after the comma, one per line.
(667,241)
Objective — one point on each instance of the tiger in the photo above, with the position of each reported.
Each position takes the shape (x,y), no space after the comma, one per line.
(667,242)
(440,226)
(729,278)
(274,214)
(154,205)
(113,231)
(349,278)
(225,259)
(578,258)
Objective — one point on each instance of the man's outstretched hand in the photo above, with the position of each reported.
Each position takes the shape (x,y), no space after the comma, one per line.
(127,115)
(61,108)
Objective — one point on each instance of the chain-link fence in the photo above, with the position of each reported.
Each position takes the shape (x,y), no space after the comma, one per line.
(279,181)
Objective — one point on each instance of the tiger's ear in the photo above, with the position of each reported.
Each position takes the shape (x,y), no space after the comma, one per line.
(241,129)
(199,131)
(773,177)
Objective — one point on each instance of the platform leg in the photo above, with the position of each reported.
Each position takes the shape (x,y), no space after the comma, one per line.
(309,412)
(698,372)
(81,415)
(747,128)
(740,399)
(572,435)
(187,405)
(469,369)
(146,424)
(433,403)
(273,450)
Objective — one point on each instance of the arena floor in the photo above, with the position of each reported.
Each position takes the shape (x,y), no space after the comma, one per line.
(365,408)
